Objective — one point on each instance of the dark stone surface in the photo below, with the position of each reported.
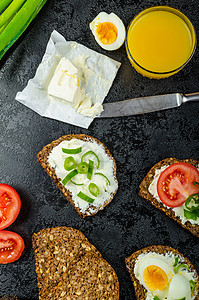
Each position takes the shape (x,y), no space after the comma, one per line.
(137,143)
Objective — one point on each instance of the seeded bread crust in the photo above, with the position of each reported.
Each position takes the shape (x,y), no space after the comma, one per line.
(61,255)
(42,158)
(140,291)
(144,192)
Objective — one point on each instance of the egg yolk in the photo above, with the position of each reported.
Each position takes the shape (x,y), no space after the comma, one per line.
(155,278)
(107,33)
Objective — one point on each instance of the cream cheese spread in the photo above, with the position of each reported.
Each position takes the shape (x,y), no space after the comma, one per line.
(179,211)
(56,160)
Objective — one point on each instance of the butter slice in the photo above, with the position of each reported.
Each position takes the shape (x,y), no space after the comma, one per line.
(65,83)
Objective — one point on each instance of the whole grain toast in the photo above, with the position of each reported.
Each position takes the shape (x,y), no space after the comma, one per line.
(144,192)
(42,158)
(140,291)
(57,251)
(91,278)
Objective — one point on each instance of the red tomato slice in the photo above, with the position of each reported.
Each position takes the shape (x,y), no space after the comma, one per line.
(176,184)
(10,205)
(11,246)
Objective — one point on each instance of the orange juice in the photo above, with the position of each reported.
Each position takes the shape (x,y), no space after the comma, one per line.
(160,41)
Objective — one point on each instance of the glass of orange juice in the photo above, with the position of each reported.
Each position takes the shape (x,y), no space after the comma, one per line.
(160,41)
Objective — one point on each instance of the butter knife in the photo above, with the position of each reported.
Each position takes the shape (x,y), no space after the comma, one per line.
(145,105)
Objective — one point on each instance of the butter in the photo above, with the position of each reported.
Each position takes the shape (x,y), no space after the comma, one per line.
(65,83)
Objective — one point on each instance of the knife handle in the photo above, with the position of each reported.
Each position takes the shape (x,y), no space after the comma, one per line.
(191,97)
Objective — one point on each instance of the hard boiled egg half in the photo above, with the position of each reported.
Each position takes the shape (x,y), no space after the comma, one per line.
(108,30)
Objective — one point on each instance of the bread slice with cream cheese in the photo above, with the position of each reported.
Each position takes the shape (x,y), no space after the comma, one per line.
(52,159)
(140,258)
(145,192)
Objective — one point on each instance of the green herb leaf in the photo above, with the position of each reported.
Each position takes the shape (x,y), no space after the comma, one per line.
(190,215)
(72,151)
(85,197)
(196,183)
(69,176)
(91,153)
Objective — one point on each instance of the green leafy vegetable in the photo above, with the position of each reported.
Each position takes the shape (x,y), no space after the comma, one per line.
(69,176)
(93,189)
(19,23)
(69,163)
(192,205)
(90,169)
(72,151)
(101,174)
(85,197)
(91,153)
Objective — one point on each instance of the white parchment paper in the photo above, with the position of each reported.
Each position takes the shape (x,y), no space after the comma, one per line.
(99,72)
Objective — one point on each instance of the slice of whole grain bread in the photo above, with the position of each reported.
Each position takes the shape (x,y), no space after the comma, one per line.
(56,249)
(140,291)
(144,192)
(42,158)
(91,278)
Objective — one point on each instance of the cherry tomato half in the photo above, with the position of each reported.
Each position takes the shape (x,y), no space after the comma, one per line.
(176,184)
(11,246)
(10,205)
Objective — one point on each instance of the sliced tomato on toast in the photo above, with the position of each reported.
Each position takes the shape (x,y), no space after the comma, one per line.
(176,183)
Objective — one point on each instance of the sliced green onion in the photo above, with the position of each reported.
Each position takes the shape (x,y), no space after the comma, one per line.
(85,197)
(176,261)
(190,215)
(69,176)
(184,298)
(196,183)
(101,174)
(76,183)
(93,189)
(69,163)
(156,298)
(180,266)
(195,198)
(11,10)
(72,151)
(82,168)
(91,153)
(192,285)
(4,4)
(90,169)
(19,23)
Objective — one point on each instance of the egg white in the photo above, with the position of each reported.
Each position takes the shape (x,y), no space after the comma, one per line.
(114,19)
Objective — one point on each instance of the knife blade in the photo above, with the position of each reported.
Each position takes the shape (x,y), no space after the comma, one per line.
(145,105)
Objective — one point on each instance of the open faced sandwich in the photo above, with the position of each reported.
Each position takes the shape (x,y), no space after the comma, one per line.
(162,273)
(69,267)
(172,185)
(83,169)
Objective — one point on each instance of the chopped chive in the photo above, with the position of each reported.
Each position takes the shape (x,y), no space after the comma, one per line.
(82,168)
(101,174)
(90,169)
(192,285)
(72,151)
(176,261)
(93,189)
(181,266)
(85,197)
(69,163)
(91,153)
(69,176)
(76,183)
